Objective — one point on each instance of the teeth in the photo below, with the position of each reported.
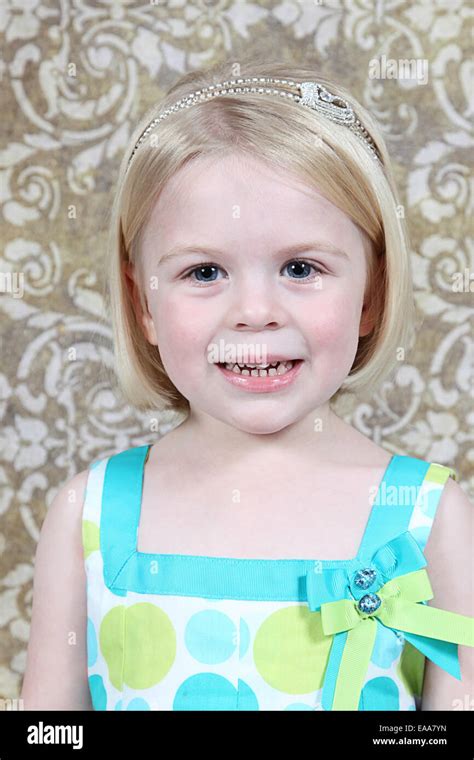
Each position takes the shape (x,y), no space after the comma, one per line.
(261,370)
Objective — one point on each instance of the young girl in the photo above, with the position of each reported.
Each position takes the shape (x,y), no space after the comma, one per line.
(263,555)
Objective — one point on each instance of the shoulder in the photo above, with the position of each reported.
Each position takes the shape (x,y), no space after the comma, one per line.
(68,500)
(75,487)
(449,548)
(453,520)
(61,530)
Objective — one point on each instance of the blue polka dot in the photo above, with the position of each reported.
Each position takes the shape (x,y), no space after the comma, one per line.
(387,647)
(210,637)
(412,707)
(247,699)
(98,692)
(91,643)
(244,637)
(205,691)
(118,706)
(380,693)
(298,706)
(138,704)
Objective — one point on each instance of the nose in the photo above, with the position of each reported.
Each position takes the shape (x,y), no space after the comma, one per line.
(256,306)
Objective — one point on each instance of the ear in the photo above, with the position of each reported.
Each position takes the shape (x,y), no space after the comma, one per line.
(142,314)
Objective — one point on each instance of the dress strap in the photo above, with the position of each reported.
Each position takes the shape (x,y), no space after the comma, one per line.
(394,502)
(407,499)
(121,505)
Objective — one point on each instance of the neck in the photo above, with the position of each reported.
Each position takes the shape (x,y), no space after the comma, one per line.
(318,436)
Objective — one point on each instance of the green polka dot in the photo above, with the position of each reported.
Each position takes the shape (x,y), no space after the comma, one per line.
(90,537)
(110,641)
(146,660)
(291,651)
(410,669)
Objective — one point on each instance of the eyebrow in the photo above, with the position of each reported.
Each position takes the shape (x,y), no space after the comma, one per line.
(291,250)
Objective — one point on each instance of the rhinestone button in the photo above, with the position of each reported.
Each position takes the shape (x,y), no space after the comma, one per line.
(365,577)
(369,603)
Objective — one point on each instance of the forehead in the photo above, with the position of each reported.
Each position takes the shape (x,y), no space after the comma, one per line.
(237,199)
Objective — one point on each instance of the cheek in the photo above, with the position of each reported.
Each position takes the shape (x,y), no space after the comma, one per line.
(334,322)
(176,323)
(182,338)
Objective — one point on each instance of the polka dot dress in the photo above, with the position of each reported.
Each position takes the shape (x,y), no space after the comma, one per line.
(184,632)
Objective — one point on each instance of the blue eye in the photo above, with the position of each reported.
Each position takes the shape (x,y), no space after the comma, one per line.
(209,270)
(203,268)
(299,263)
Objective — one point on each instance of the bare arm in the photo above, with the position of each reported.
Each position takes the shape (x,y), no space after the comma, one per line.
(449,556)
(56,672)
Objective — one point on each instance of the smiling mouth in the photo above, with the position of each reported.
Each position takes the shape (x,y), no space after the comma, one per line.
(261,370)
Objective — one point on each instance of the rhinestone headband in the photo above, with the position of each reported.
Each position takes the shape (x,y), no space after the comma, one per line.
(311,94)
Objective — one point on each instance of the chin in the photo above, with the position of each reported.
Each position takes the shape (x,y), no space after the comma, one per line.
(260,424)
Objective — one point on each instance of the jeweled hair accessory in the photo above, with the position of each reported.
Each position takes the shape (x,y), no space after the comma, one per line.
(310,94)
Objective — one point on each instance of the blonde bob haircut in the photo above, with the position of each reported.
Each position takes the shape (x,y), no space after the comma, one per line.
(327,156)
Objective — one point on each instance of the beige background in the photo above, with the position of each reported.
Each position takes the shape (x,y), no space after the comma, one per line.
(62,142)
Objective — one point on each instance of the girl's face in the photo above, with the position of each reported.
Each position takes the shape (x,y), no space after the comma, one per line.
(253,289)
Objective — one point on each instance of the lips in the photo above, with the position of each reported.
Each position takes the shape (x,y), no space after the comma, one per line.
(261,383)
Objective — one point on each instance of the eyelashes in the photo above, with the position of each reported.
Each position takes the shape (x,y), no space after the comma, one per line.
(212,266)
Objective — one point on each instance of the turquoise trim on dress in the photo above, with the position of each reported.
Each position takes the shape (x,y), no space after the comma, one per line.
(126,569)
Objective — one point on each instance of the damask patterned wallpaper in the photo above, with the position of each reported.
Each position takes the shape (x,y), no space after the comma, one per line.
(76,75)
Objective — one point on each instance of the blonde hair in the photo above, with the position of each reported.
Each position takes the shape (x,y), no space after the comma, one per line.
(283,134)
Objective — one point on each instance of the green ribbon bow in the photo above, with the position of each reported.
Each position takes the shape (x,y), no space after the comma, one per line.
(400,609)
